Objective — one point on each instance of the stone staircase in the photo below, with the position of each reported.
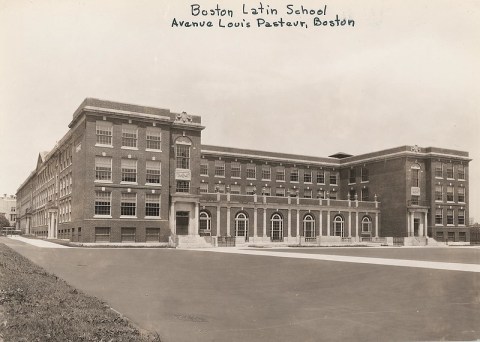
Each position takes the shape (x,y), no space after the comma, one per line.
(415,241)
(192,241)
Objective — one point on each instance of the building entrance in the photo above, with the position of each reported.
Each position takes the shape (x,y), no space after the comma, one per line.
(182,219)
(416,226)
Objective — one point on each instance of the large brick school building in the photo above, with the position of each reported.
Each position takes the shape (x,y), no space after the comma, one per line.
(128,173)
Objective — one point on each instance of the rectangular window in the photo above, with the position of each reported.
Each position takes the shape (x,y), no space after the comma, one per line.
(451,236)
(267,191)
(294,175)
(129,136)
(266,172)
(204,167)
(219,168)
(415,200)
(152,235)
(203,188)
(449,193)
(439,171)
(280,174)
(250,190)
(307,176)
(235,169)
(183,156)
(438,193)
(333,195)
(364,174)
(333,178)
(461,195)
(438,216)
(128,204)
(365,195)
(462,236)
(461,172)
(154,138)
(280,192)
(352,175)
(321,177)
(293,192)
(251,171)
(102,234)
(129,170)
(461,217)
(104,130)
(351,194)
(439,236)
(235,189)
(153,172)
(103,202)
(183,186)
(321,194)
(103,168)
(152,205)
(220,188)
(307,193)
(449,216)
(450,171)
(128,235)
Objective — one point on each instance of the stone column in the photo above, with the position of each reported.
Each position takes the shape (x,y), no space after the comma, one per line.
(228,221)
(218,220)
(376,225)
(349,224)
(264,223)
(195,223)
(255,233)
(320,231)
(298,225)
(357,237)
(328,223)
(289,223)
(172,219)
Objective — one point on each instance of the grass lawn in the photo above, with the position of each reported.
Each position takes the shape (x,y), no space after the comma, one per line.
(38,306)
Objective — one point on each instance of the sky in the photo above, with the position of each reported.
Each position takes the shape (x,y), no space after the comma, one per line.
(407,73)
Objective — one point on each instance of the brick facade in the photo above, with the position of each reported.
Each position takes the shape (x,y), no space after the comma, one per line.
(70,195)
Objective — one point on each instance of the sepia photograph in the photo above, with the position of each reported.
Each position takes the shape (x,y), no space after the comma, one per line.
(239,170)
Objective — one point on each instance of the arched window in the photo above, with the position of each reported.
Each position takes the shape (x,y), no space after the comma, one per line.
(241,225)
(338,225)
(366,225)
(204,224)
(309,226)
(276,223)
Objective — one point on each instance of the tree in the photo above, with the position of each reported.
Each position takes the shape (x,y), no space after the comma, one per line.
(3,221)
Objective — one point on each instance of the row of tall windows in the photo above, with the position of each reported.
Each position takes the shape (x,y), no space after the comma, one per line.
(448,171)
(129,173)
(449,194)
(266,172)
(104,136)
(276,225)
(439,216)
(128,204)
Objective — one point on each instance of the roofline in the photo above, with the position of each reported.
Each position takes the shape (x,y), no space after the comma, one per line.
(396,152)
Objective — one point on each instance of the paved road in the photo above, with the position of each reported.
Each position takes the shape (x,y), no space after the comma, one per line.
(202,296)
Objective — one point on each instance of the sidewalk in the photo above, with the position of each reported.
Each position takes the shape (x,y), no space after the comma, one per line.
(37,243)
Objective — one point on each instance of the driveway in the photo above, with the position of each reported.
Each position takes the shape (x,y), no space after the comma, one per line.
(189,295)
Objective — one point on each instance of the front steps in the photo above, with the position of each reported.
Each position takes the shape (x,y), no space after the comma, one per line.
(193,241)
